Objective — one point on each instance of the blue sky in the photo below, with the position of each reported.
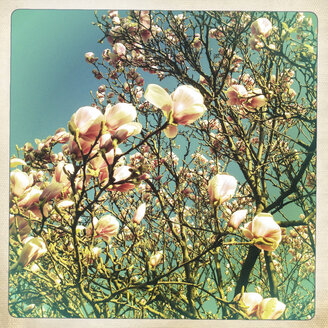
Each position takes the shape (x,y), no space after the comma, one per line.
(50,79)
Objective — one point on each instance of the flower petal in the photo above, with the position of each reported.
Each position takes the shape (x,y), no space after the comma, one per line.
(157,96)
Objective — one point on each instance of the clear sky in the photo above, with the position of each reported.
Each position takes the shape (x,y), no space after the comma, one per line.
(50,78)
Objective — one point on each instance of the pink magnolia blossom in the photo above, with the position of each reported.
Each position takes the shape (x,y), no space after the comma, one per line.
(62,172)
(31,197)
(118,115)
(270,308)
(237,94)
(144,18)
(249,301)
(88,122)
(145,35)
(32,250)
(127,130)
(19,182)
(139,213)
(105,228)
(237,218)
(90,57)
(221,188)
(122,173)
(264,227)
(186,103)
(92,255)
(262,26)
(255,99)
(119,49)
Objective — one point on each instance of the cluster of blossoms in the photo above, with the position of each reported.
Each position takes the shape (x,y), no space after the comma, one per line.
(261,28)
(94,139)
(253,304)
(250,100)
(262,230)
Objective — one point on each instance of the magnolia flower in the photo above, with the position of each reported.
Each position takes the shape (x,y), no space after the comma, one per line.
(237,218)
(185,104)
(32,250)
(255,99)
(19,182)
(105,228)
(119,49)
(30,197)
(92,254)
(90,57)
(249,302)
(87,121)
(221,188)
(270,308)
(73,147)
(155,259)
(237,94)
(262,26)
(62,172)
(266,230)
(118,115)
(121,174)
(139,213)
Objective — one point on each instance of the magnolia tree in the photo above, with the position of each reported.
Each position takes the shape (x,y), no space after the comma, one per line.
(192,196)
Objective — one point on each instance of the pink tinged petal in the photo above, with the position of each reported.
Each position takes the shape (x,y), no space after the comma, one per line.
(18,224)
(158,97)
(107,227)
(105,142)
(127,130)
(221,188)
(184,97)
(19,182)
(171,131)
(250,301)
(247,230)
(122,173)
(30,197)
(258,101)
(119,114)
(270,308)
(74,149)
(262,26)
(51,191)
(237,218)
(264,226)
(140,213)
(88,121)
(236,94)
(32,250)
(189,115)
(62,172)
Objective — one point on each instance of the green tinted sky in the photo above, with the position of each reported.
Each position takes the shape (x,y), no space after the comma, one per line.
(49,76)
